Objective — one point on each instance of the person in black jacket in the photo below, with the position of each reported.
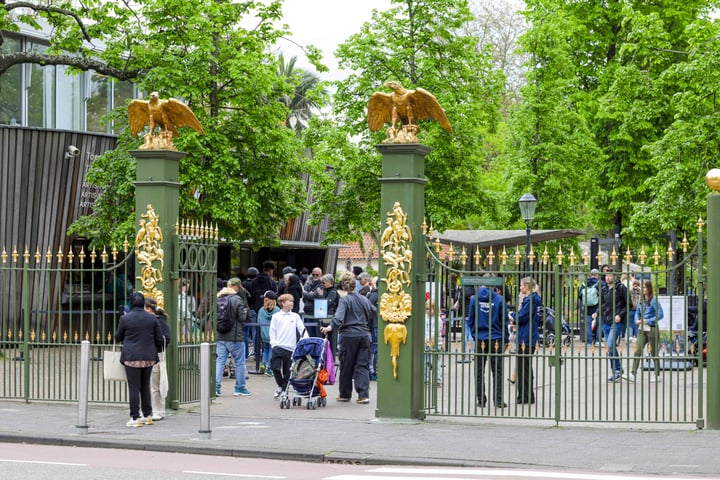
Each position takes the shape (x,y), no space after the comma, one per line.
(613,311)
(140,334)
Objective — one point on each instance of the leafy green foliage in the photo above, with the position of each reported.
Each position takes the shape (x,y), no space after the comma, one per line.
(419,44)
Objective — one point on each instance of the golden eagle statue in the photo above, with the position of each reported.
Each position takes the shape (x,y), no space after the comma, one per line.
(163,114)
(405,107)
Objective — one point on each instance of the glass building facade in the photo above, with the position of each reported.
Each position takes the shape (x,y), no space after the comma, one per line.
(49,97)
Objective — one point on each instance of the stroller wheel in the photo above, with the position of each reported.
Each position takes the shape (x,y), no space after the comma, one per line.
(322,401)
(296,401)
(285,403)
(310,405)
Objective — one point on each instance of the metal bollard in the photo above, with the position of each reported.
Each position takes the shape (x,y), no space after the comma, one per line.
(83,381)
(205,431)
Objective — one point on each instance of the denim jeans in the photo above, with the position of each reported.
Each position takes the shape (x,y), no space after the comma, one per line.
(588,330)
(237,350)
(612,333)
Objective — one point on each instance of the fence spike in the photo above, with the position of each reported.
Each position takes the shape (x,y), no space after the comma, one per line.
(93,256)
(560,256)
(586,257)
(38,256)
(82,254)
(490,256)
(26,255)
(104,256)
(685,243)
(571,257)
(48,255)
(670,252)
(628,255)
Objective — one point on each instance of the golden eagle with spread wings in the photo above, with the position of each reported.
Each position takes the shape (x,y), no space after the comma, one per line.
(406,107)
(166,115)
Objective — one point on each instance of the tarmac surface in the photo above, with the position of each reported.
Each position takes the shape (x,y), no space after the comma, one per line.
(255,426)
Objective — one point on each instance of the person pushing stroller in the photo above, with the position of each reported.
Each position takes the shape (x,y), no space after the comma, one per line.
(285,328)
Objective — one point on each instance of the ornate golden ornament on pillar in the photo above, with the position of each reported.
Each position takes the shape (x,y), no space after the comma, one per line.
(148,250)
(401,109)
(396,303)
(163,114)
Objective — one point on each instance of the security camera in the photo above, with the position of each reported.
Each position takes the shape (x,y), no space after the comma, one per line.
(73,151)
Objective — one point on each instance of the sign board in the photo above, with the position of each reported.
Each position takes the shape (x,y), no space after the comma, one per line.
(320,308)
(482,281)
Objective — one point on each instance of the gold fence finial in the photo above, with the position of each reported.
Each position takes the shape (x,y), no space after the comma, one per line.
(490,256)
(670,252)
(560,256)
(628,255)
(571,257)
(685,244)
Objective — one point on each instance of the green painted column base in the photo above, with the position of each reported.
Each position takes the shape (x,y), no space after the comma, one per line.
(403,184)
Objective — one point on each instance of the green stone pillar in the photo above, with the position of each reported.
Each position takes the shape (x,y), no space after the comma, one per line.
(713,300)
(157,192)
(401,284)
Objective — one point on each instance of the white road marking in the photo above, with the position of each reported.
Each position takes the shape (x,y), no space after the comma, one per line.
(44,463)
(237,475)
(474,473)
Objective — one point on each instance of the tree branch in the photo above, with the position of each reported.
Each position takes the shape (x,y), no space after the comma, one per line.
(85,64)
(51,9)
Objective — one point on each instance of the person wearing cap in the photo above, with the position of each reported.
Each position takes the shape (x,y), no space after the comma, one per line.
(264,316)
(282,283)
(232,342)
(589,310)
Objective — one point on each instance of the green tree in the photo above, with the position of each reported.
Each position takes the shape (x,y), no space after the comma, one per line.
(308,93)
(598,95)
(418,43)
(244,174)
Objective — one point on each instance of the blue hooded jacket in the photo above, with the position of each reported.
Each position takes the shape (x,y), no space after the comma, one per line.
(527,322)
(485,315)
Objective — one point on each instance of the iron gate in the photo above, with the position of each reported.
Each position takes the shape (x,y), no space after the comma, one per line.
(50,302)
(571,374)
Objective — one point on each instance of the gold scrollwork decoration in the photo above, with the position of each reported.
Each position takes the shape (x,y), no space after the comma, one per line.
(148,250)
(396,303)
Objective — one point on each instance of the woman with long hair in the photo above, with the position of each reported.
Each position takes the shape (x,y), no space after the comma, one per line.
(648,314)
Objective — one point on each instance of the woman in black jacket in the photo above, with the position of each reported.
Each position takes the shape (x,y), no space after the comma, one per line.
(294,288)
(140,334)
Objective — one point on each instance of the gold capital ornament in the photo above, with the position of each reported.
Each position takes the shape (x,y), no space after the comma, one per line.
(148,250)
(396,303)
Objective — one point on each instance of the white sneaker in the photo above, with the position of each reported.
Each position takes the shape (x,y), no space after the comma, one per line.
(654,379)
(137,422)
(278,392)
(157,416)
(147,420)
(630,377)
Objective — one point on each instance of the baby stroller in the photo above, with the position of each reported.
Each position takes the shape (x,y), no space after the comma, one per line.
(308,360)
(547,327)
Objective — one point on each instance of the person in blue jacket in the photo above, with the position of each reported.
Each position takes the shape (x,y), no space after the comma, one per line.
(528,336)
(487,325)
(649,312)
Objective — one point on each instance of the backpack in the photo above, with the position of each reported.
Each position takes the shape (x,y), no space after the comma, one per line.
(224,322)
(590,296)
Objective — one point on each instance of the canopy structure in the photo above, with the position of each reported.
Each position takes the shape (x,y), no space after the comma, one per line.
(500,238)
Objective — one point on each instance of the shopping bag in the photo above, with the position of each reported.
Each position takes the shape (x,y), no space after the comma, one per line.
(112,368)
(163,375)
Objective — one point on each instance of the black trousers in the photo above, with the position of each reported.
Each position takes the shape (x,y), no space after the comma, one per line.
(489,351)
(280,363)
(525,380)
(138,380)
(355,366)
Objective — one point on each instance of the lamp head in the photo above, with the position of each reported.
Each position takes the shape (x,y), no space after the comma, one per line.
(527,207)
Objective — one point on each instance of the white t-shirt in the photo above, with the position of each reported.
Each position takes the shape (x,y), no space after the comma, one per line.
(283,328)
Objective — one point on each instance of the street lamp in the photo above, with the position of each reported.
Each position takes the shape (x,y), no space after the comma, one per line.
(527,212)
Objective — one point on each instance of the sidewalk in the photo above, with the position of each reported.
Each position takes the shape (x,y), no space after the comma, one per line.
(255,426)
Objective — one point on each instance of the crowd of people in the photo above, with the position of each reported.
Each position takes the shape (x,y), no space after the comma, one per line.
(276,311)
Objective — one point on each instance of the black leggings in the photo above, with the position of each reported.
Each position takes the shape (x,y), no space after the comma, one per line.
(138,380)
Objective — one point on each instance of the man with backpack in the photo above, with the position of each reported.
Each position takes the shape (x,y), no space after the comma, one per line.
(589,299)
(231,315)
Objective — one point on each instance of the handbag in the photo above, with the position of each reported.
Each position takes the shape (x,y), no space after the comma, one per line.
(163,375)
(112,368)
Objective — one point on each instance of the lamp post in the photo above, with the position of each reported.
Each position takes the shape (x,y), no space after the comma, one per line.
(527,212)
